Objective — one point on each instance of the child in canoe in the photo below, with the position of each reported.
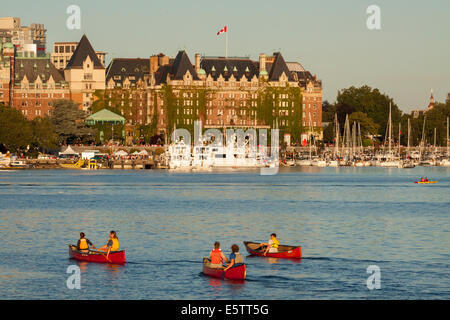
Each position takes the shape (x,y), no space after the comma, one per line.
(217,257)
(271,245)
(235,257)
(83,243)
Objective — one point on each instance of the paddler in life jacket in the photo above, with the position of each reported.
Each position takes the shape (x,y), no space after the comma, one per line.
(112,244)
(272,244)
(83,243)
(235,257)
(217,257)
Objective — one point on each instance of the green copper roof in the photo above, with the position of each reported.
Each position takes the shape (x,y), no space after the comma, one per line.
(201,71)
(9,45)
(105,115)
(263,73)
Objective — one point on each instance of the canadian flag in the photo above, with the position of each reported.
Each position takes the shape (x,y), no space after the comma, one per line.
(222,30)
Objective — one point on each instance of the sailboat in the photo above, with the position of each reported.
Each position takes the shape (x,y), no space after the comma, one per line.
(408,163)
(446,162)
(390,162)
(335,162)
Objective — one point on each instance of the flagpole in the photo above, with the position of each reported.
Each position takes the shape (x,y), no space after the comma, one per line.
(226,43)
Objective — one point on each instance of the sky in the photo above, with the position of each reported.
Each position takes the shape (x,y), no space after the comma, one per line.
(406,58)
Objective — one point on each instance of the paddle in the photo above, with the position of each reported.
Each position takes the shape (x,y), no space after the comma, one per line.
(102,254)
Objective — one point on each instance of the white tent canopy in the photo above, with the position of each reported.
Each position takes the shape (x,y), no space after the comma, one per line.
(143,153)
(120,153)
(69,151)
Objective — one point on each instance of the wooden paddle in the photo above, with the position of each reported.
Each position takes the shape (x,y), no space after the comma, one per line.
(102,255)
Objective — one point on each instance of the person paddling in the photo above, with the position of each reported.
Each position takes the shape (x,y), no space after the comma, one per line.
(217,257)
(235,257)
(271,245)
(83,243)
(112,244)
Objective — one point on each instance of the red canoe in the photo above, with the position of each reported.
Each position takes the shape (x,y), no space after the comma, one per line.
(237,272)
(117,257)
(289,252)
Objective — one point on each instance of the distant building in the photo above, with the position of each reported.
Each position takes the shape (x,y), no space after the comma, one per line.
(85,73)
(63,51)
(6,72)
(418,113)
(126,89)
(37,84)
(29,41)
(312,93)
(224,92)
(431,103)
(448,98)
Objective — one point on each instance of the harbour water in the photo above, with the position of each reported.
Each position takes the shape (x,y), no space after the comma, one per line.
(345,219)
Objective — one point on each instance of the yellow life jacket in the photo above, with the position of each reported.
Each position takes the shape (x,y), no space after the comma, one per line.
(275,243)
(115,244)
(83,244)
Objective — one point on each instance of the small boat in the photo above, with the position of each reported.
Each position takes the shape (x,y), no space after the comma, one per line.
(117,257)
(236,272)
(284,251)
(425,182)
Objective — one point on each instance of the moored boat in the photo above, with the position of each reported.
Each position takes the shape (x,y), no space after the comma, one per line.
(236,272)
(117,257)
(284,251)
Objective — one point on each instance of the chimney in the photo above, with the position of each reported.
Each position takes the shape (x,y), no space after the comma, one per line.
(197,62)
(262,62)
(163,59)
(153,64)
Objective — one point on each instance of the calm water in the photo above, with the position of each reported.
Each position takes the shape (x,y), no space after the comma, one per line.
(345,219)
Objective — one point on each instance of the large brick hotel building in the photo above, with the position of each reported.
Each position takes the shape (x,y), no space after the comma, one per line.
(166,92)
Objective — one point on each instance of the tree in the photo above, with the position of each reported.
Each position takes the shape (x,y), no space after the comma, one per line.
(15,131)
(68,121)
(44,136)
(329,133)
(368,127)
(328,111)
(369,101)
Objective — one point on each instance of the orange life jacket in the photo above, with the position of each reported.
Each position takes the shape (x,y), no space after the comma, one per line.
(216,256)
(83,244)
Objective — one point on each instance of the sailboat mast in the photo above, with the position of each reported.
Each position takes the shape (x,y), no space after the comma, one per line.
(409,128)
(422,142)
(390,129)
(448,142)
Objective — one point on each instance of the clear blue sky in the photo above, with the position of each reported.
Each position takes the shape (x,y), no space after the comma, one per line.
(405,59)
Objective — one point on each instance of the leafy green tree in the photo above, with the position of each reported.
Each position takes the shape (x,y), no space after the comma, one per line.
(329,133)
(435,118)
(44,136)
(68,121)
(369,101)
(368,127)
(15,130)
(328,112)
